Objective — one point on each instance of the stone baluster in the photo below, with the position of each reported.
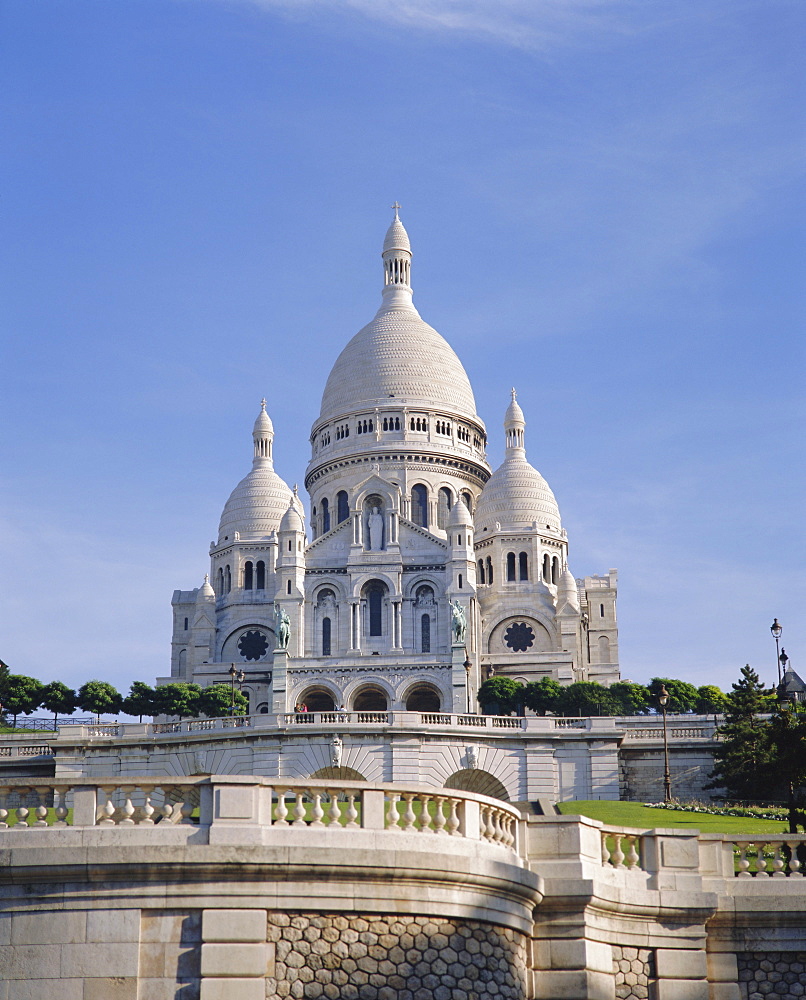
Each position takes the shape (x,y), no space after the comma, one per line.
(761,862)
(778,861)
(106,813)
(60,807)
(4,790)
(333,813)
(128,809)
(453,819)
(352,812)
(794,863)
(605,849)
(41,811)
(22,810)
(408,815)
(425,814)
(299,810)
(280,811)
(743,864)
(617,857)
(318,811)
(147,810)
(633,857)
(439,815)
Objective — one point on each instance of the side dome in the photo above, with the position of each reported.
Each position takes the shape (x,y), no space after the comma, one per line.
(257,504)
(516,495)
(398,355)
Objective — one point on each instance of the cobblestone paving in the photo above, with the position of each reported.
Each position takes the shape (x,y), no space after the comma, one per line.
(633,971)
(778,975)
(394,958)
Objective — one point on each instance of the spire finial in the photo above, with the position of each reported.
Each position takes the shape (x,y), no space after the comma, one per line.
(396,207)
(514,393)
(263,404)
(206,577)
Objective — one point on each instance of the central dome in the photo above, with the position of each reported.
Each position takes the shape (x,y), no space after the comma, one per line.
(397,356)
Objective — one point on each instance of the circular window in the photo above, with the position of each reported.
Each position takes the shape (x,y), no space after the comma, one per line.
(253,645)
(519,637)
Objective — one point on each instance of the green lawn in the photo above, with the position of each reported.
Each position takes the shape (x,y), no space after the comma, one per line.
(636,815)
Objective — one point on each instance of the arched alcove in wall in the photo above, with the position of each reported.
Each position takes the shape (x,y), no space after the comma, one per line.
(318,699)
(337,774)
(478,781)
(423,698)
(370,699)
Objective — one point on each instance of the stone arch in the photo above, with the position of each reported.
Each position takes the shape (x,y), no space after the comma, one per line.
(370,697)
(321,693)
(422,697)
(337,774)
(478,781)
(230,652)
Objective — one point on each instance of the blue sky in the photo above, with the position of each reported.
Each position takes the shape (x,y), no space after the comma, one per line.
(605,201)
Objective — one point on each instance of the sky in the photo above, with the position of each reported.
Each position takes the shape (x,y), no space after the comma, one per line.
(606,205)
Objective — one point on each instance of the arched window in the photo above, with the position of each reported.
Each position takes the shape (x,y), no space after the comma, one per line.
(460,581)
(523,566)
(342,506)
(481,571)
(601,610)
(425,634)
(445,502)
(325,637)
(555,570)
(288,586)
(489,570)
(511,567)
(325,516)
(260,582)
(546,568)
(186,624)
(247,575)
(220,582)
(374,593)
(467,499)
(227,579)
(604,649)
(419,505)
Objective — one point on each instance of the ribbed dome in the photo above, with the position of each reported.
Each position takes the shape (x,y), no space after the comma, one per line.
(516,495)
(398,357)
(396,236)
(256,505)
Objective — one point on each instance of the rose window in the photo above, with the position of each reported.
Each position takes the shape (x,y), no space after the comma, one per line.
(519,637)
(253,645)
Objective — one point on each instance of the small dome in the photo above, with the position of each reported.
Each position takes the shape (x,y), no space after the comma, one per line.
(396,236)
(263,424)
(567,592)
(291,520)
(516,495)
(206,592)
(460,516)
(514,414)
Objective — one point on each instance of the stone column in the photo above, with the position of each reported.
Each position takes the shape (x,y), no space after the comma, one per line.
(458,679)
(279,704)
(397,642)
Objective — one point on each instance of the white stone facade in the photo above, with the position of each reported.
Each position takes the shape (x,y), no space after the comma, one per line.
(422,571)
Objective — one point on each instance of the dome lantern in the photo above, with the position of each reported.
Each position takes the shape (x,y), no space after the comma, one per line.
(514,426)
(263,436)
(396,263)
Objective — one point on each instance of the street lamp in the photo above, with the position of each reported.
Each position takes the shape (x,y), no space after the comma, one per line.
(234,675)
(467,665)
(663,700)
(776,630)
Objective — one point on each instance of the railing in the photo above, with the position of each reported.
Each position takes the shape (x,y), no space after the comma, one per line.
(335,718)
(146,802)
(768,856)
(19,750)
(673,732)
(570,723)
(621,848)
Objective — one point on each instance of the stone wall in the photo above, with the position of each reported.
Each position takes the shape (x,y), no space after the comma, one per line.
(778,975)
(634,972)
(641,773)
(378,957)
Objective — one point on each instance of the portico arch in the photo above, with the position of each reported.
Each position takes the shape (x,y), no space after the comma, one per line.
(478,781)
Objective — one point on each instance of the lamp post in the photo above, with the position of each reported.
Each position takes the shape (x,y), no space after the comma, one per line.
(663,700)
(233,673)
(785,722)
(467,665)
(776,630)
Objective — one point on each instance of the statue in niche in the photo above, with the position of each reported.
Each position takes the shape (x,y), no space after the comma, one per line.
(458,623)
(375,530)
(283,627)
(472,758)
(336,747)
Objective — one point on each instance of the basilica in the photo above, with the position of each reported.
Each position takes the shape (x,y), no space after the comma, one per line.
(422,571)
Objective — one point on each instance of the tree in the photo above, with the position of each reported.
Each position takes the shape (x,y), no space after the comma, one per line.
(5,673)
(177,699)
(216,701)
(630,698)
(57,697)
(682,695)
(542,696)
(586,698)
(787,736)
(22,695)
(98,697)
(744,760)
(501,696)
(710,700)
(141,700)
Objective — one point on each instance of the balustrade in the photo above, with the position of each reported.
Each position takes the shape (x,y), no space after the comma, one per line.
(614,854)
(769,857)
